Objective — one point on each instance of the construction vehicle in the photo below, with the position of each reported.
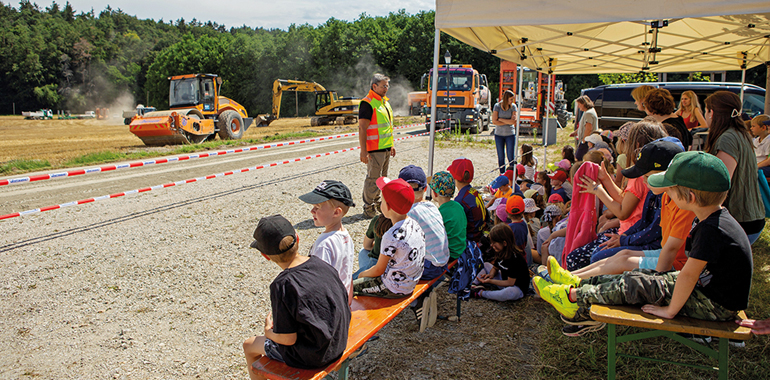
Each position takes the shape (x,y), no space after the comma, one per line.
(140,110)
(467,96)
(329,108)
(38,115)
(417,101)
(537,95)
(197,113)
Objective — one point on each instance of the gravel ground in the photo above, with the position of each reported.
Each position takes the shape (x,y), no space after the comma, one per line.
(163,285)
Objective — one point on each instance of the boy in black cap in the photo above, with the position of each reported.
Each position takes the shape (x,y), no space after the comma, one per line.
(308,326)
(331,200)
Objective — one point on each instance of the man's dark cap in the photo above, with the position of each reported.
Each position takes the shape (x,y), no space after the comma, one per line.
(329,189)
(270,232)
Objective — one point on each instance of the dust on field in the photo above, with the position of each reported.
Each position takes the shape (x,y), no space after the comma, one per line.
(60,140)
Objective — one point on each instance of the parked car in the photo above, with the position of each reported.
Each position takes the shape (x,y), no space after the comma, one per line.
(615,106)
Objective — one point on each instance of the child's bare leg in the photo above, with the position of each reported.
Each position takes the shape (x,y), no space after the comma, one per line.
(536,257)
(624,260)
(253,348)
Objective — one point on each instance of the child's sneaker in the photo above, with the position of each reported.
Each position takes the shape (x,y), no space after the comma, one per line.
(560,275)
(702,339)
(737,343)
(476,292)
(579,330)
(557,295)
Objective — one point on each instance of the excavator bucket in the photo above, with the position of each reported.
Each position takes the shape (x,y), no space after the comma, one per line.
(158,128)
(264,120)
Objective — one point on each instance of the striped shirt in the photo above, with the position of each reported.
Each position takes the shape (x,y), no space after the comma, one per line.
(429,218)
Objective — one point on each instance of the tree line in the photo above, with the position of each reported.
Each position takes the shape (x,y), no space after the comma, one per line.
(56,57)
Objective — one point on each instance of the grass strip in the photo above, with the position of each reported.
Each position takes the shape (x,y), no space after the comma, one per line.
(22,166)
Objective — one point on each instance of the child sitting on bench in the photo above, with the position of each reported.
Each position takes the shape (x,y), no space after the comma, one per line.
(308,326)
(402,249)
(714,282)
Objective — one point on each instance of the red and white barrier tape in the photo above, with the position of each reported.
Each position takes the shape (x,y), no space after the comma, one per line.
(191,180)
(72,173)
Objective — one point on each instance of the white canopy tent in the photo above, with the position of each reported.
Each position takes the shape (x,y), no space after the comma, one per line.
(610,36)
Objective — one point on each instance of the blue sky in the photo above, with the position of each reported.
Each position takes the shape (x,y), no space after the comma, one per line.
(267,14)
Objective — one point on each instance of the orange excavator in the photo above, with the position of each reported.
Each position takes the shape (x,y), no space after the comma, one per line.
(197,113)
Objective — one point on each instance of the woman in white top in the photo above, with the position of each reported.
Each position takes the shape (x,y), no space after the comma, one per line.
(504,117)
(589,123)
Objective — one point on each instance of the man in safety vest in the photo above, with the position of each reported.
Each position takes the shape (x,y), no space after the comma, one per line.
(375,134)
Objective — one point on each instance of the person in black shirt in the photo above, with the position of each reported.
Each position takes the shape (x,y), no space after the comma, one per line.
(308,326)
(508,273)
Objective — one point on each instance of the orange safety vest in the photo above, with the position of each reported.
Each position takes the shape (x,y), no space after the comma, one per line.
(379,134)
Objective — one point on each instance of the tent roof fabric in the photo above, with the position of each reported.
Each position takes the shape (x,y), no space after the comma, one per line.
(613,36)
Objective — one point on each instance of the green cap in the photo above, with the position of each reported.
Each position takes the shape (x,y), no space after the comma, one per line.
(695,170)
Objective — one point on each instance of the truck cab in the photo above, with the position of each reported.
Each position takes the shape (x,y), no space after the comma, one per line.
(462,96)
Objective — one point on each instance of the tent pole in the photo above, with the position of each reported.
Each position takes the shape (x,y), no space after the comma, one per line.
(547,118)
(767,85)
(433,85)
(518,119)
(743,84)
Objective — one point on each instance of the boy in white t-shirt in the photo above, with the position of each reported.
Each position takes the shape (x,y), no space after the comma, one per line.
(331,200)
(759,126)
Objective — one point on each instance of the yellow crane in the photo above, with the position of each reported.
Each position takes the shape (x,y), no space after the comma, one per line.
(329,108)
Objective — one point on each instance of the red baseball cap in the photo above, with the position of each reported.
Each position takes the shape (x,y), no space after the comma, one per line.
(515,205)
(558,175)
(555,198)
(520,169)
(459,167)
(397,193)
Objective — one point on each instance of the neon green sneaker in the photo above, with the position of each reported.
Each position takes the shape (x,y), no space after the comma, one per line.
(557,295)
(560,275)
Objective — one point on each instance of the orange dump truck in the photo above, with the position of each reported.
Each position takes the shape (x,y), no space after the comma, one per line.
(196,114)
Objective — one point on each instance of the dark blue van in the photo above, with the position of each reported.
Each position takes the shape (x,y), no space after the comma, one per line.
(615,106)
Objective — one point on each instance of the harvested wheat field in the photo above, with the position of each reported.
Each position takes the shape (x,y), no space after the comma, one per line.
(60,140)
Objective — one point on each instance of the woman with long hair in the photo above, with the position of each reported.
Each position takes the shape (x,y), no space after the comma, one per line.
(730,140)
(689,110)
(507,275)
(589,123)
(504,118)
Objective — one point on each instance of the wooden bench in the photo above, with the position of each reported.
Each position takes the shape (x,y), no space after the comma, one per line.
(368,315)
(635,317)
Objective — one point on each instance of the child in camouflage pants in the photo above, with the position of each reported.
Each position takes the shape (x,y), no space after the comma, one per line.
(715,281)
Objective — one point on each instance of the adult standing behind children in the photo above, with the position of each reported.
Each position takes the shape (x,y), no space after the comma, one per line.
(310,317)
(730,140)
(589,123)
(504,118)
(331,200)
(375,135)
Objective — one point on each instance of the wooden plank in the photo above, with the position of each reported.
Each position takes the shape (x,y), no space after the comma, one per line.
(635,317)
(368,316)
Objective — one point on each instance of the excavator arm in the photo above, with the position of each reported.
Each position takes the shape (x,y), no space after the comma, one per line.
(281,85)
